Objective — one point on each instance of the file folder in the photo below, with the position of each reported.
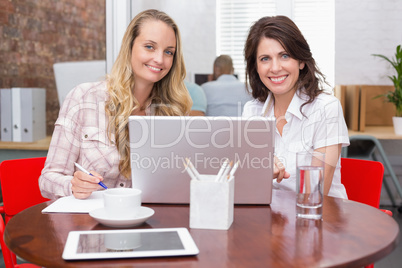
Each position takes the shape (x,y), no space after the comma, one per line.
(5,115)
(28,114)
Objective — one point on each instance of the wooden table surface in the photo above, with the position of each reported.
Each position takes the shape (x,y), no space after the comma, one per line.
(350,235)
(39,145)
(380,132)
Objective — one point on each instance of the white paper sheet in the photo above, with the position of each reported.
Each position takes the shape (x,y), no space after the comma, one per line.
(70,204)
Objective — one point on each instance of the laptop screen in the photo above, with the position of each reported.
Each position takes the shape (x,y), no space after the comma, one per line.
(159,144)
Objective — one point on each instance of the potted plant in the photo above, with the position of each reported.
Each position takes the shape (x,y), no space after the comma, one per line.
(395,96)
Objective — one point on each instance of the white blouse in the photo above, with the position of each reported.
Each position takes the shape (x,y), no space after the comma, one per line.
(323,125)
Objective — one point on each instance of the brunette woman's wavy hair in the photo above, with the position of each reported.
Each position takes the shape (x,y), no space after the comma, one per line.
(285,31)
(169,96)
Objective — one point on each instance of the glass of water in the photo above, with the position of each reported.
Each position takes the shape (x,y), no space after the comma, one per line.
(309,184)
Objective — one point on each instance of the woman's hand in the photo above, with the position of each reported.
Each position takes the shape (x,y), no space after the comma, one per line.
(83,184)
(279,170)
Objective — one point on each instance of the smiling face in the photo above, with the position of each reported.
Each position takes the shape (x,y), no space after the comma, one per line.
(153,52)
(276,69)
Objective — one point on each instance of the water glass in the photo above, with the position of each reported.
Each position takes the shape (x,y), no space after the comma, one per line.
(309,184)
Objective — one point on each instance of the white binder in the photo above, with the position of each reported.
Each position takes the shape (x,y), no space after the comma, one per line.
(5,115)
(28,114)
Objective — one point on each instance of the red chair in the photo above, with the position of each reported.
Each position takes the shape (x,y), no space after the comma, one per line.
(363,181)
(20,189)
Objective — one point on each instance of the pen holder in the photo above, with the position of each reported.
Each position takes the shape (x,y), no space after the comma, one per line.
(211,203)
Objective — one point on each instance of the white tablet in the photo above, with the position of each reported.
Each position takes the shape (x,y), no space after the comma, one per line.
(132,243)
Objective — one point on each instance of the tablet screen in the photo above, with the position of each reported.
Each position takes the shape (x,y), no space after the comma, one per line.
(129,243)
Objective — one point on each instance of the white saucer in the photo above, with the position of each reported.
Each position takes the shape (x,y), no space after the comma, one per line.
(100,215)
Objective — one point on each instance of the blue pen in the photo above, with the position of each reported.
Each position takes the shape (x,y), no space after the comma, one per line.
(83,170)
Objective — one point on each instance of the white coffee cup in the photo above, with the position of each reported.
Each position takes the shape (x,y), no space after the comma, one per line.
(122,203)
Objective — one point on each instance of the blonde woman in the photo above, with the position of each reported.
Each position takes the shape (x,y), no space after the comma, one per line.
(146,79)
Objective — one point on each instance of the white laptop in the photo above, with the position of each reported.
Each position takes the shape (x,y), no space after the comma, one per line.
(159,144)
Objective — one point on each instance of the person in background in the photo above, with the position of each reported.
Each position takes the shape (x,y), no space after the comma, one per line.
(226,95)
(286,84)
(147,78)
(198,97)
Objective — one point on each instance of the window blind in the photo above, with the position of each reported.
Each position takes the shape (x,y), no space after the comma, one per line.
(234,18)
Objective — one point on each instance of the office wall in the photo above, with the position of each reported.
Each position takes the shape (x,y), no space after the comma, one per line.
(363,28)
(36,34)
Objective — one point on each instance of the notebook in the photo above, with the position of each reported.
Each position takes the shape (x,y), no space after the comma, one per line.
(158,145)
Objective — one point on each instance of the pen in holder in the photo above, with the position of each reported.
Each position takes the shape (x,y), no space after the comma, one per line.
(211,203)
(211,199)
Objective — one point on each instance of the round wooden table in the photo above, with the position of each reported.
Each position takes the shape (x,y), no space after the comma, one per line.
(350,235)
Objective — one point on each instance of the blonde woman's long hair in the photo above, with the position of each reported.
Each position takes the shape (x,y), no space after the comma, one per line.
(169,96)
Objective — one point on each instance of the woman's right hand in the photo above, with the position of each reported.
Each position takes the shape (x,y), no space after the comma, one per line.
(83,184)
(279,170)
